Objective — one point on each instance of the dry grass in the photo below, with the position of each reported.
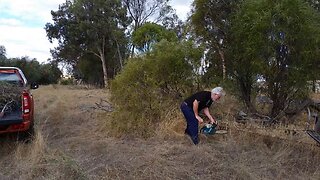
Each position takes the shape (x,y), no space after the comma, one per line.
(72,143)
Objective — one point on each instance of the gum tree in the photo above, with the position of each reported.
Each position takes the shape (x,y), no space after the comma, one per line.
(93,27)
(278,41)
(210,21)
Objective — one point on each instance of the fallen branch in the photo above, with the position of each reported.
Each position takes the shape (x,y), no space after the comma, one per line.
(5,108)
(104,105)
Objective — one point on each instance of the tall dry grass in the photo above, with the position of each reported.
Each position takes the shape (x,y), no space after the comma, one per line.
(72,142)
(36,161)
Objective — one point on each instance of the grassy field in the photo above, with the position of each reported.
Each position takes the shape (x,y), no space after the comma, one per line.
(72,142)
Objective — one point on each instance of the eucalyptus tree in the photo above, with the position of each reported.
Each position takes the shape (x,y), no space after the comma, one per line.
(278,41)
(90,26)
(316,76)
(142,11)
(210,21)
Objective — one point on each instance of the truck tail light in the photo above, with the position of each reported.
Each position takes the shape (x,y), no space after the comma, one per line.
(25,103)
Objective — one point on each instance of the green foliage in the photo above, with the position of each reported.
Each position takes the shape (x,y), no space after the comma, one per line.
(278,41)
(210,22)
(149,34)
(34,71)
(90,70)
(150,86)
(66,82)
(142,11)
(211,19)
(213,68)
(175,65)
(133,91)
(94,27)
(50,73)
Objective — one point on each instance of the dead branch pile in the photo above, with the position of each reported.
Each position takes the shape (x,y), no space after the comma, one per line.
(290,113)
(10,95)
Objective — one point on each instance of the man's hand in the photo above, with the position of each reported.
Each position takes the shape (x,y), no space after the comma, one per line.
(207,113)
(199,119)
(213,121)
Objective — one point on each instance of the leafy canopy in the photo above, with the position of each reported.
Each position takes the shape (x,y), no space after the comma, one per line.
(277,41)
(149,34)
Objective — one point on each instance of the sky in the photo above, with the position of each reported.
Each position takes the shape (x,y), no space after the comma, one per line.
(22,25)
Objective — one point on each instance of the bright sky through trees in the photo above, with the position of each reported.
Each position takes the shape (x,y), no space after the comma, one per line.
(22,25)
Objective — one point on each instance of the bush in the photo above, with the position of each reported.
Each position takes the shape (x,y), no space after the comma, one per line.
(66,81)
(148,86)
(134,91)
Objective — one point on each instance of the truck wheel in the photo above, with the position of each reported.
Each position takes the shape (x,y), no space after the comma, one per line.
(27,136)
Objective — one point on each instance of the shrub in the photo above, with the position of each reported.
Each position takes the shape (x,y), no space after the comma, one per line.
(148,85)
(134,91)
(66,82)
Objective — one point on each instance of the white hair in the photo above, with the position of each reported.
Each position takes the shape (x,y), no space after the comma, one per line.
(218,90)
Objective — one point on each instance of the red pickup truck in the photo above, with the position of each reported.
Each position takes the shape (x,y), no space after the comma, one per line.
(16,103)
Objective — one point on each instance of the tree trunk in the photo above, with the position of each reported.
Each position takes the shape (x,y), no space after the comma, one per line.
(104,67)
(221,53)
(119,54)
(105,72)
(247,99)
(314,86)
(245,88)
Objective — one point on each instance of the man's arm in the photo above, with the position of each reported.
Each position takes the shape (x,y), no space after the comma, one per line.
(207,113)
(195,110)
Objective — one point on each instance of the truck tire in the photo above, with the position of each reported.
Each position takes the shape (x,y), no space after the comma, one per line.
(26,136)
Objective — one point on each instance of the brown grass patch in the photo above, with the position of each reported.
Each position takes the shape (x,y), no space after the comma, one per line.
(72,142)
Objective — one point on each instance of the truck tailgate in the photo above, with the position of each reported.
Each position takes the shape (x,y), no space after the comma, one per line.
(11,118)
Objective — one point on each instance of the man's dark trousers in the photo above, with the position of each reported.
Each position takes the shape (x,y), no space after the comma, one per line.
(192,122)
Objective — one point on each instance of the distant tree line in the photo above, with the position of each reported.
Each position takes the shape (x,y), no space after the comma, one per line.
(45,73)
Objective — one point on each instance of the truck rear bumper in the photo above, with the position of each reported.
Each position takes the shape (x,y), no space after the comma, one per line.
(14,122)
(15,127)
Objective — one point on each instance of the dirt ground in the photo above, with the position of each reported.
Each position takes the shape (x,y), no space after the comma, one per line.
(72,143)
